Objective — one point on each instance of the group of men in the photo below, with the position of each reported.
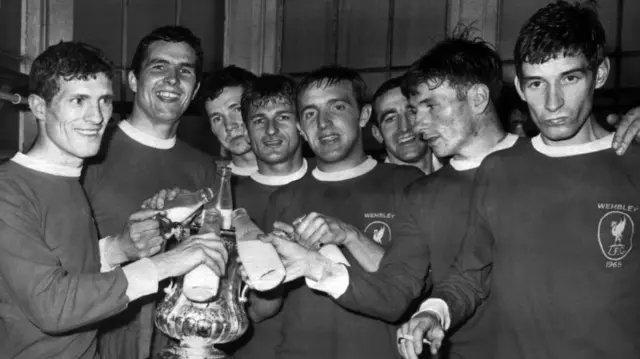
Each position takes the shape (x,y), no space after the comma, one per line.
(522,248)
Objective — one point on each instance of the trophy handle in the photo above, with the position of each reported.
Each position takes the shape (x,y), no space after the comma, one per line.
(243,293)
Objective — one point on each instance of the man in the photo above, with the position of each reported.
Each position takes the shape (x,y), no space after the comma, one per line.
(142,156)
(552,219)
(269,111)
(222,93)
(347,201)
(52,291)
(392,128)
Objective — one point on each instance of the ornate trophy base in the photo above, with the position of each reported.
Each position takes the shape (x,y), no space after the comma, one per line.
(186,350)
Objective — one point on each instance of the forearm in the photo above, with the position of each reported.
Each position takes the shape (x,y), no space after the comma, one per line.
(365,251)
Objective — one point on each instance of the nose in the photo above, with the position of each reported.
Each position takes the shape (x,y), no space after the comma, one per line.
(404,123)
(324,120)
(419,122)
(172,77)
(230,123)
(554,98)
(96,114)
(272,127)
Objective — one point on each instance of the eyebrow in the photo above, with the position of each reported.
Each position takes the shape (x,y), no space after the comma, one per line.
(580,69)
(154,61)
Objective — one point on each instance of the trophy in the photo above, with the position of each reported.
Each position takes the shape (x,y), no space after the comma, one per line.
(201,309)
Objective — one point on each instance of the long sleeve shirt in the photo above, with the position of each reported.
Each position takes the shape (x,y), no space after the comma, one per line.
(52,291)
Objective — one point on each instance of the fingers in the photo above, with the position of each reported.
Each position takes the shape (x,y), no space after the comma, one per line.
(215,256)
(285,227)
(436,336)
(144,214)
(172,193)
(627,130)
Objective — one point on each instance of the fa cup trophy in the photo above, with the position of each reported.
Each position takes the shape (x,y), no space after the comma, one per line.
(200,309)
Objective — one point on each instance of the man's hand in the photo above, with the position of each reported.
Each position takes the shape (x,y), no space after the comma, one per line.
(316,230)
(423,326)
(141,236)
(157,200)
(298,261)
(627,129)
(205,249)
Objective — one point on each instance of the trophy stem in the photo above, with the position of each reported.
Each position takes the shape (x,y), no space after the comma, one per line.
(191,349)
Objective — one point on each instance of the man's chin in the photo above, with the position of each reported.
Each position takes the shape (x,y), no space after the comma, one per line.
(411,156)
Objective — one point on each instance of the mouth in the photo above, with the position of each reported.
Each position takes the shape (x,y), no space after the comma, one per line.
(168,96)
(272,142)
(557,121)
(91,133)
(405,139)
(329,138)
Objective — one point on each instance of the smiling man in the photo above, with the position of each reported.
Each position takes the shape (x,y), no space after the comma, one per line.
(222,93)
(141,156)
(393,129)
(57,280)
(552,220)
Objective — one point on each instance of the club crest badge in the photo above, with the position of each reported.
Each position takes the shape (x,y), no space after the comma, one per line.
(615,235)
(379,231)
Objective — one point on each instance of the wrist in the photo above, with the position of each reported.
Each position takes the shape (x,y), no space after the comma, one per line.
(352,236)
(315,265)
(161,265)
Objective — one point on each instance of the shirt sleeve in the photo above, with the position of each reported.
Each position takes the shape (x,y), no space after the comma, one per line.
(468,283)
(388,293)
(54,299)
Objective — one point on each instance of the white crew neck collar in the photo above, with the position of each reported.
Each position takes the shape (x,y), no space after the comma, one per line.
(357,171)
(474,162)
(145,138)
(600,144)
(242,171)
(41,165)
(281,180)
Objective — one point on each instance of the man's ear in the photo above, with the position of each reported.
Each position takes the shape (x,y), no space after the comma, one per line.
(304,135)
(516,83)
(365,115)
(375,131)
(479,98)
(133,82)
(195,91)
(38,106)
(602,73)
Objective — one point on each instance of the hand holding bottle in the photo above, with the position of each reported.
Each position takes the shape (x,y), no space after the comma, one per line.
(158,200)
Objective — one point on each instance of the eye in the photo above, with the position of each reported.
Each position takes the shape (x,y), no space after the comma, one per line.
(77,100)
(390,119)
(571,79)
(158,67)
(308,115)
(340,107)
(187,71)
(283,118)
(257,120)
(534,84)
(236,109)
(107,101)
(216,119)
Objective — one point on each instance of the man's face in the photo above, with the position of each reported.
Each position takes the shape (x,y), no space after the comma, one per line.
(443,120)
(226,121)
(77,116)
(330,120)
(395,128)
(559,94)
(273,132)
(167,82)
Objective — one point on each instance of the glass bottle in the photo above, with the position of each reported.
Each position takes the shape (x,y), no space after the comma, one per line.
(185,205)
(223,199)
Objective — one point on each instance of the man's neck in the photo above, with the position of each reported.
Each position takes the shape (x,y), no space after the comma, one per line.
(146,124)
(423,164)
(589,132)
(47,151)
(353,160)
(245,160)
(483,142)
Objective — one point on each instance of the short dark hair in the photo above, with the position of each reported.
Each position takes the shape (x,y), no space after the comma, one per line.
(561,29)
(390,84)
(460,60)
(330,75)
(169,34)
(230,76)
(267,89)
(71,60)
